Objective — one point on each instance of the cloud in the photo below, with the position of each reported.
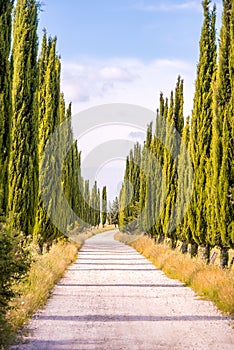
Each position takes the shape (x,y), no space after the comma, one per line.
(116,74)
(87,82)
(137,136)
(166,6)
(84,81)
(172,6)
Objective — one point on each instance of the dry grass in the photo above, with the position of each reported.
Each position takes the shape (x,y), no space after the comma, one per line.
(208,281)
(44,273)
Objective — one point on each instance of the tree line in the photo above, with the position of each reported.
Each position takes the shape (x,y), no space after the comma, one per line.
(198,151)
(32,107)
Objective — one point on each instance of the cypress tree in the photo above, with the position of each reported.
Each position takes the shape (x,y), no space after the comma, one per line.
(114,212)
(23,160)
(158,146)
(185,178)
(220,217)
(124,199)
(98,209)
(173,130)
(231,111)
(50,105)
(179,106)
(5,98)
(95,205)
(145,199)
(104,206)
(201,129)
(86,203)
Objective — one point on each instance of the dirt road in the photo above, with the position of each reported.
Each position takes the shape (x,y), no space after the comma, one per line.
(113,298)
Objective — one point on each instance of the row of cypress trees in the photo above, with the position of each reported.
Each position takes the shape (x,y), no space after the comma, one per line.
(198,152)
(31,108)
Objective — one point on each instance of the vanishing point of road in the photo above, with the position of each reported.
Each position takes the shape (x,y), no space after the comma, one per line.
(113,298)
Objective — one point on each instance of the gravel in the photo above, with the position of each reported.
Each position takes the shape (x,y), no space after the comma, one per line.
(113,298)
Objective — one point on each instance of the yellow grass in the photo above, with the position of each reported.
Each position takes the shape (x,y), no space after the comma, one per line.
(208,281)
(43,274)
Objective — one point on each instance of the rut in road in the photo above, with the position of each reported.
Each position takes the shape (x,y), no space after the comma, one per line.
(113,298)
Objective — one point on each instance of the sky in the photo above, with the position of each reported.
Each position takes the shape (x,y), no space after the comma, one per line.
(123,51)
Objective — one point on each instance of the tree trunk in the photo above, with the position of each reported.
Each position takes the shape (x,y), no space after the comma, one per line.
(161,238)
(173,244)
(224,256)
(194,249)
(184,248)
(206,254)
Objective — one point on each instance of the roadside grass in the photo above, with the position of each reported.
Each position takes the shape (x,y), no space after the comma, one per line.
(45,272)
(34,291)
(210,282)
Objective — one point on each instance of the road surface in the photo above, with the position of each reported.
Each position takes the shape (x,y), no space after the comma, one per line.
(113,298)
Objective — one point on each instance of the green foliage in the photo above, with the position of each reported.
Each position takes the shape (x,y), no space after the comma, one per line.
(48,118)
(114,212)
(130,192)
(208,218)
(104,206)
(201,126)
(95,206)
(15,260)
(23,165)
(5,98)
(221,179)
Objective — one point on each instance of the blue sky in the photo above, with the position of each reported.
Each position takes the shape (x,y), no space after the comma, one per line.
(125,28)
(124,51)
(111,46)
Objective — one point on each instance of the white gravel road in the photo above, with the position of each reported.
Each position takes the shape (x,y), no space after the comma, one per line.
(113,298)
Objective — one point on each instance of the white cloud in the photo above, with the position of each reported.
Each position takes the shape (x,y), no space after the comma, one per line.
(167,6)
(87,83)
(116,74)
(172,6)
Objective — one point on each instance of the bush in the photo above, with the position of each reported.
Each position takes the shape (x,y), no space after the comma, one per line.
(15,260)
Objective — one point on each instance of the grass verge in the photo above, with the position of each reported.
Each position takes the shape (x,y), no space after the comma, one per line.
(208,281)
(34,291)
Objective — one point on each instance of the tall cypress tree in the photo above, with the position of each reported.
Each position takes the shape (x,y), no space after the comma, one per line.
(5,98)
(95,205)
(173,130)
(49,108)
(225,102)
(123,198)
(185,178)
(104,205)
(220,216)
(23,152)
(231,111)
(201,130)
(145,200)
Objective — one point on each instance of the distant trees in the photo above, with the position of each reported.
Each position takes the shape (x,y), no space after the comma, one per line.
(113,214)
(104,206)
(203,155)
